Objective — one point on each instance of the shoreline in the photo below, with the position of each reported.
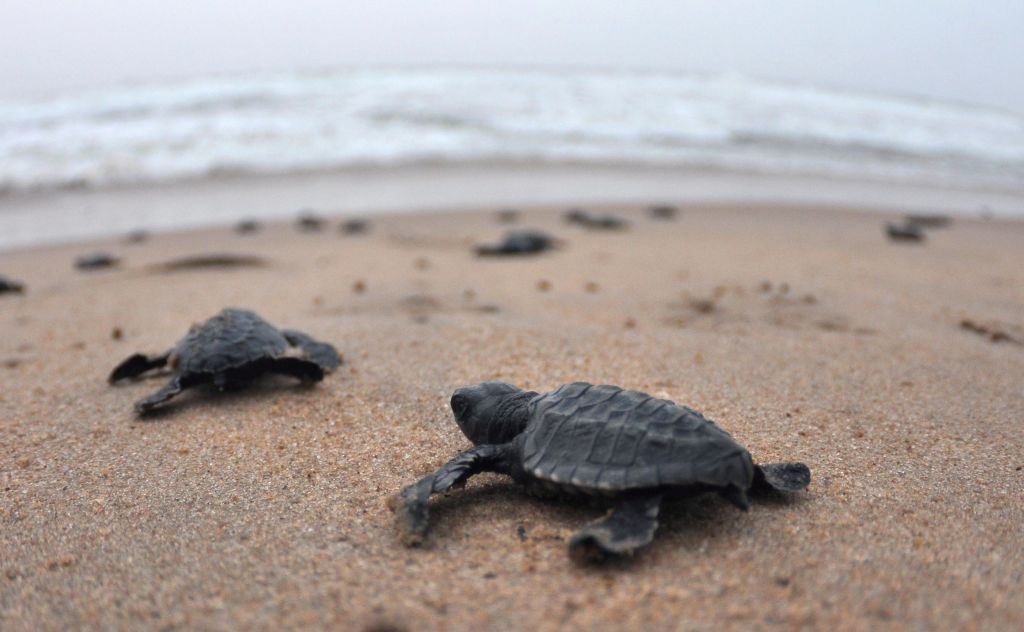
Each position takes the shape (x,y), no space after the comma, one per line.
(66,216)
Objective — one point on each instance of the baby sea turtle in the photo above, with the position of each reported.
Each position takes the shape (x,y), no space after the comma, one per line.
(136,236)
(508,216)
(97,261)
(229,350)
(518,242)
(308,221)
(663,211)
(908,231)
(354,226)
(10,286)
(586,219)
(247,227)
(599,441)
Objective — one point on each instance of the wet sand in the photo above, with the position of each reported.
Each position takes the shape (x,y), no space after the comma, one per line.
(805,334)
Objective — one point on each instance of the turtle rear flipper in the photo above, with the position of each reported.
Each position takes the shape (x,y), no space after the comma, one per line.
(628,527)
(320,352)
(305,370)
(781,477)
(137,364)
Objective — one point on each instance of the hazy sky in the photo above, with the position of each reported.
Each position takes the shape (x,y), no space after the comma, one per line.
(962,50)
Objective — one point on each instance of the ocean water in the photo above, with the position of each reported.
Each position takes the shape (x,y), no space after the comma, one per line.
(274,123)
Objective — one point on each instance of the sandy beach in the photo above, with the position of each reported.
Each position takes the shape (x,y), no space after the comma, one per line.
(801,331)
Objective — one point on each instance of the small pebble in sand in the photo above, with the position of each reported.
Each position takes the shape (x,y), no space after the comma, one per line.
(543,285)
(116,333)
(766,286)
(991,332)
(629,324)
(63,561)
(384,626)
(422,263)
(702,305)
(359,287)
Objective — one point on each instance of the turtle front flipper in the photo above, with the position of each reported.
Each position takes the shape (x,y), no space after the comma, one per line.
(175,386)
(410,504)
(629,526)
(320,352)
(137,364)
(781,477)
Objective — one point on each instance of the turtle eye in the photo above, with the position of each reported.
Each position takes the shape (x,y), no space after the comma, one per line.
(459,404)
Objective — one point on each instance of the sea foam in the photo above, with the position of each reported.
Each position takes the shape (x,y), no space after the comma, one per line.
(314,121)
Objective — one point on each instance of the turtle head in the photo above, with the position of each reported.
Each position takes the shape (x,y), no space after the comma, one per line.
(491,412)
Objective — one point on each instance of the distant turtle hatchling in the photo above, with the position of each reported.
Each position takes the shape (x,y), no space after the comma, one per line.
(354,226)
(604,442)
(97,261)
(247,227)
(663,211)
(907,232)
(231,350)
(11,286)
(518,242)
(593,221)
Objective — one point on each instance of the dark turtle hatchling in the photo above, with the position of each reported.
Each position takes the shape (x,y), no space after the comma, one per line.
(518,242)
(229,350)
(308,221)
(593,221)
(97,261)
(508,215)
(354,226)
(136,236)
(909,232)
(247,227)
(11,286)
(663,211)
(605,442)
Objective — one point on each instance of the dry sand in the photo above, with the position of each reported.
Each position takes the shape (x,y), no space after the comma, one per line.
(267,508)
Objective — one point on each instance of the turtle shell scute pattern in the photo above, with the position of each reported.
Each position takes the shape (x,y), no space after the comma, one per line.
(233,338)
(607,438)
